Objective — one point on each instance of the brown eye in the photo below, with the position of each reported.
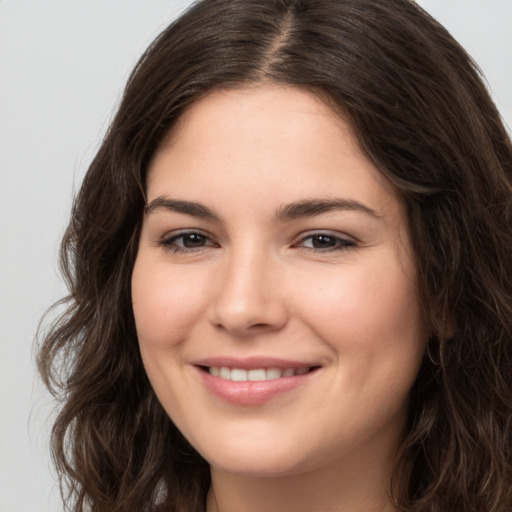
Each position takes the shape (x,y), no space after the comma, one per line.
(193,240)
(323,241)
(326,242)
(186,241)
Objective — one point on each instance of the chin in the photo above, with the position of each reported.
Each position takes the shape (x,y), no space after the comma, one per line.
(259,467)
(258,459)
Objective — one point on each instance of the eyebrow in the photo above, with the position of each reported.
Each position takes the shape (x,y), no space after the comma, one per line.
(186,207)
(287,212)
(312,207)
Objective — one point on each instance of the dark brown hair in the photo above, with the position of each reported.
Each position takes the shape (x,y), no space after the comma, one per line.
(423,116)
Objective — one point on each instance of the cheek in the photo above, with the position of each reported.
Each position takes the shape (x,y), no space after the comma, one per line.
(366,310)
(166,304)
(370,317)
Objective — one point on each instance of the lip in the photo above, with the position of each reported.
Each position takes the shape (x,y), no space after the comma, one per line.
(249,393)
(251,363)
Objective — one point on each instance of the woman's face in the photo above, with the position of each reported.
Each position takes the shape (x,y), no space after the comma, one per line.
(274,291)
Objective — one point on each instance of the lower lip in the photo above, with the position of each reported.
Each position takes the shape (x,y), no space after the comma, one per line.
(251,392)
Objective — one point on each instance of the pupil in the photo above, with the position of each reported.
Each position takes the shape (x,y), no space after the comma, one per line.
(193,240)
(323,241)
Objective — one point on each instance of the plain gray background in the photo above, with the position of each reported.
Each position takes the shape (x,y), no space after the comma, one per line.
(63,65)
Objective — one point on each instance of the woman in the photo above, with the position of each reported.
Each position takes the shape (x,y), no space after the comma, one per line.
(289,273)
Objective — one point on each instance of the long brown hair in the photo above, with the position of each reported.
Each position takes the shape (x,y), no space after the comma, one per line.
(422,114)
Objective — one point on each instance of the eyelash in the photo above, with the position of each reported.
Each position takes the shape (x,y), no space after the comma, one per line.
(171,242)
(338,243)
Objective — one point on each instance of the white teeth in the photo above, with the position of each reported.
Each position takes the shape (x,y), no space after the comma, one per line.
(258,374)
(238,375)
(289,372)
(275,373)
(225,373)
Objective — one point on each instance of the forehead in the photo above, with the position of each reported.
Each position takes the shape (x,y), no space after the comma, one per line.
(261,139)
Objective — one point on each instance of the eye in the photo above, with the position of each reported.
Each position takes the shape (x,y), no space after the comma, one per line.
(187,241)
(325,242)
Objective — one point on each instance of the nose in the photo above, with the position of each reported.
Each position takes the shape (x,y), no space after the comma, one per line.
(249,298)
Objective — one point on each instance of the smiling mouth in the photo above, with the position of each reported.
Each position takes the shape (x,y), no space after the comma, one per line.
(256,374)
(253,381)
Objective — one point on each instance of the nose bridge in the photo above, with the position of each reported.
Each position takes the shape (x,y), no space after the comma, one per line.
(248,297)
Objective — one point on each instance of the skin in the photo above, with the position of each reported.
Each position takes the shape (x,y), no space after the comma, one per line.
(259,284)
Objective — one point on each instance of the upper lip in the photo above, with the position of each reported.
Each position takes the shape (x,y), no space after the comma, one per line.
(250,363)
